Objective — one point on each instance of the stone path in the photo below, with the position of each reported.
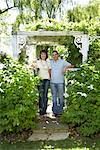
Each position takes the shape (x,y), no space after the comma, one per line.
(49,128)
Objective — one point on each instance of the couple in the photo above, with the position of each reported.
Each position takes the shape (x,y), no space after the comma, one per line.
(51,73)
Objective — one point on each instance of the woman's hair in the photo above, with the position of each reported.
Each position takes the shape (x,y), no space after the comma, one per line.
(43,51)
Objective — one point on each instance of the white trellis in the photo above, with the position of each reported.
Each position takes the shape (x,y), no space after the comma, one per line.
(41,37)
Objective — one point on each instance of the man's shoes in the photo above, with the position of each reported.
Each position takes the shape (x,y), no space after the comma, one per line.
(57,115)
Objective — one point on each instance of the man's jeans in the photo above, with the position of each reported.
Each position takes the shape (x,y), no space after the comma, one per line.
(57,90)
(43,95)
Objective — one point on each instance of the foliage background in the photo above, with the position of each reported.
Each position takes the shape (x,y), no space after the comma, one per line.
(18,97)
(83,86)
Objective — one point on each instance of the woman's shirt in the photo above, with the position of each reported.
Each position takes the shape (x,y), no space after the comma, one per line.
(43,67)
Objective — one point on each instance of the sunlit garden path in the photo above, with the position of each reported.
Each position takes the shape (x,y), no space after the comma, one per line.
(72,27)
(49,128)
(52,134)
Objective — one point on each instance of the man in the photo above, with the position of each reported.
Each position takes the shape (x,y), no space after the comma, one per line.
(58,68)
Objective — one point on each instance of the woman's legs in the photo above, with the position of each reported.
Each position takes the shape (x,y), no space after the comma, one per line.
(46,86)
(43,96)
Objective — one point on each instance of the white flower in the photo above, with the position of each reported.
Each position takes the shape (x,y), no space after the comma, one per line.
(1,66)
(66,95)
(72,81)
(82,94)
(1,90)
(0,83)
(82,74)
(91,87)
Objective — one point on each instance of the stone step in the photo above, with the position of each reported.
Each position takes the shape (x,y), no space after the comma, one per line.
(49,129)
(52,125)
(54,136)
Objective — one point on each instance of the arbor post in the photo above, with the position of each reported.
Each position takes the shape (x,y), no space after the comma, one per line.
(31,52)
(85,47)
(14,46)
(82,42)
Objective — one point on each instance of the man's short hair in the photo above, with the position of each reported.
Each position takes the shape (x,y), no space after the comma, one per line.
(55,51)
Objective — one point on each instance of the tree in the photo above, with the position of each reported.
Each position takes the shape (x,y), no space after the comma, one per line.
(50,7)
(78,14)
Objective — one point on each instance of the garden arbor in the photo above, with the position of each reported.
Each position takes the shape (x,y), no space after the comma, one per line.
(30,40)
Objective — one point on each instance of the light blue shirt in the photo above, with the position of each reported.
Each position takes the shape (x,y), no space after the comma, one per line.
(57,75)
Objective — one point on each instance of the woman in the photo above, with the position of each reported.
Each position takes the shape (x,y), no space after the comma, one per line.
(43,66)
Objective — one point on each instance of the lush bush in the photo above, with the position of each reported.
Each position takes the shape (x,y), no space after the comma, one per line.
(94,53)
(18,97)
(83,110)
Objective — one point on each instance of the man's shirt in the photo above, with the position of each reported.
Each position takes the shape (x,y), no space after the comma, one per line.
(57,75)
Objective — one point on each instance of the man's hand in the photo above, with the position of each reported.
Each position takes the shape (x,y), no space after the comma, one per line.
(68,68)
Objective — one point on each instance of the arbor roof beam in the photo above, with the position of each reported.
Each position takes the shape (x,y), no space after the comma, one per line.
(49,33)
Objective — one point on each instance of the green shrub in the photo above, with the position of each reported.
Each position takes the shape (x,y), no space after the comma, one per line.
(18,97)
(83,109)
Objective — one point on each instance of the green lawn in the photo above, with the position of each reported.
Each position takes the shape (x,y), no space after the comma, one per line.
(69,144)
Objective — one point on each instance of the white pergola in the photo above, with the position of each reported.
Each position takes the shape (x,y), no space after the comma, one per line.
(31,39)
